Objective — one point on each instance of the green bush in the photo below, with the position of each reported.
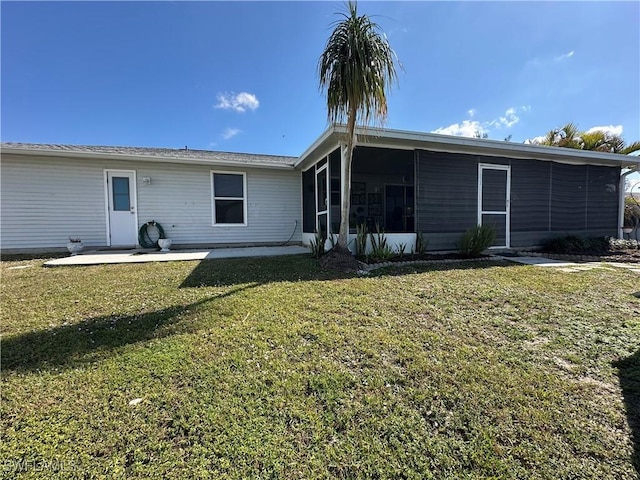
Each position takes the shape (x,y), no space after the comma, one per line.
(631,213)
(476,240)
(575,244)
(621,244)
(361,240)
(380,250)
(317,244)
(402,249)
(421,243)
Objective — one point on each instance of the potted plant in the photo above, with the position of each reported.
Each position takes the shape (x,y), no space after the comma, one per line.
(74,245)
(164,243)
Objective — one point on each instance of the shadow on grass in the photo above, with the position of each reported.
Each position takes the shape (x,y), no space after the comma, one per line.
(629,373)
(21,257)
(260,270)
(70,346)
(229,272)
(435,266)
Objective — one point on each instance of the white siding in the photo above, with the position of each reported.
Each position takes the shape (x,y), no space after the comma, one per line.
(46,200)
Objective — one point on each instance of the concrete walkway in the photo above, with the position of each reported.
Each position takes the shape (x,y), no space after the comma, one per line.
(133,256)
(571,267)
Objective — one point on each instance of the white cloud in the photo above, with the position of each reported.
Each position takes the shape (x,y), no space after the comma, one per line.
(564,56)
(547,61)
(509,119)
(468,128)
(230,133)
(240,102)
(609,129)
(535,140)
(475,128)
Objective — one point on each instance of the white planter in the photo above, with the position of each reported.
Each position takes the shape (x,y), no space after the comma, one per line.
(627,229)
(74,247)
(164,244)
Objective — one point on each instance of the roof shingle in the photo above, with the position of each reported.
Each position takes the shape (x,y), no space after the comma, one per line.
(205,156)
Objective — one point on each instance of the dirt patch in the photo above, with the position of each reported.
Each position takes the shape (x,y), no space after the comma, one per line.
(340,260)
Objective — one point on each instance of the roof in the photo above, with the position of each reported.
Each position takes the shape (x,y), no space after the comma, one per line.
(408,140)
(327,143)
(149,154)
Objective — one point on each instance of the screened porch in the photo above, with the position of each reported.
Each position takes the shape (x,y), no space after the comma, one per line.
(382,192)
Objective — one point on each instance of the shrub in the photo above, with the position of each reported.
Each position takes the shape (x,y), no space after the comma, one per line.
(631,213)
(332,238)
(476,240)
(361,240)
(380,250)
(317,244)
(402,248)
(421,243)
(620,244)
(575,244)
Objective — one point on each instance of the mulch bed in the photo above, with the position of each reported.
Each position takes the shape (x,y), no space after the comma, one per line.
(622,256)
(421,258)
(343,261)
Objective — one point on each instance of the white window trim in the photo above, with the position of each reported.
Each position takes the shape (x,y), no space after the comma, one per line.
(214,198)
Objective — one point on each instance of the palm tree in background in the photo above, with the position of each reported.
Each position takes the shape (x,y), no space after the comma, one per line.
(569,136)
(356,68)
(601,141)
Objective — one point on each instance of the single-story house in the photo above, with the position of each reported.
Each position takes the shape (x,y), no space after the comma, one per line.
(405,182)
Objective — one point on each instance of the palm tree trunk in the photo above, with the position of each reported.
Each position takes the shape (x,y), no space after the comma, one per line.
(345,164)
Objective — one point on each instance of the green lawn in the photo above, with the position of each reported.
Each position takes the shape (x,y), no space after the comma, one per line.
(271,368)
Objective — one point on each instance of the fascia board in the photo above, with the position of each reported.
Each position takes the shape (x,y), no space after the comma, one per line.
(143,158)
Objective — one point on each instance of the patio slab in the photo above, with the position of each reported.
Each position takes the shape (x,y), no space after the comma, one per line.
(137,256)
(571,267)
(538,261)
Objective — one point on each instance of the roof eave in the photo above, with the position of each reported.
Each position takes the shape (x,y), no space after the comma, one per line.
(144,158)
(408,140)
(323,146)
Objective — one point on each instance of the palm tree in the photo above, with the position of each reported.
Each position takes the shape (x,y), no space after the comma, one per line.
(569,136)
(602,141)
(356,68)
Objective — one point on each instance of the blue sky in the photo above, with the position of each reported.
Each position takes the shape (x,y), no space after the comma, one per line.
(241,76)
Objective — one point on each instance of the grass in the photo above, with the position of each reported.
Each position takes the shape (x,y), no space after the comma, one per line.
(272,368)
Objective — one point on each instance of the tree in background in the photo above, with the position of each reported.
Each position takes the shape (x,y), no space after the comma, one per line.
(356,68)
(569,136)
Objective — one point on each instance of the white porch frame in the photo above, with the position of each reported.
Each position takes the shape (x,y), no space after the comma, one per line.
(317,171)
(507,211)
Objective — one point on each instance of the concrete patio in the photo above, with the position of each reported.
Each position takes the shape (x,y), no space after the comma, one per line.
(144,256)
(571,267)
(141,256)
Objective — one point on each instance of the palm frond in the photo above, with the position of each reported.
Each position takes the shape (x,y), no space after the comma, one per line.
(569,136)
(357,68)
(634,147)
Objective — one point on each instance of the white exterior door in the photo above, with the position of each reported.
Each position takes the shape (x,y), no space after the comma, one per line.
(494,198)
(122,225)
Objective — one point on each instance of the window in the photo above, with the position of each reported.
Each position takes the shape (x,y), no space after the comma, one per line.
(121,199)
(229,198)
